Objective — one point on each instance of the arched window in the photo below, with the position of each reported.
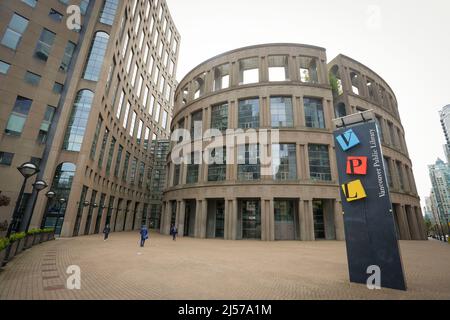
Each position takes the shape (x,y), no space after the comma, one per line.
(61,185)
(339,110)
(108,12)
(78,121)
(96,56)
(354,77)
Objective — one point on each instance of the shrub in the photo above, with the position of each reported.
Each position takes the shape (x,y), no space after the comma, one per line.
(34,231)
(3,243)
(48,230)
(17,236)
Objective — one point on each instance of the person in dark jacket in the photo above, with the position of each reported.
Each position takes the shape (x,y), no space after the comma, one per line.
(106,232)
(144,235)
(174,232)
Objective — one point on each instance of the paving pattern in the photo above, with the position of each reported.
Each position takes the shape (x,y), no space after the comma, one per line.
(212,269)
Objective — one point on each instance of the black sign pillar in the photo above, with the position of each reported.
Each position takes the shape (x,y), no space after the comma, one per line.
(370,234)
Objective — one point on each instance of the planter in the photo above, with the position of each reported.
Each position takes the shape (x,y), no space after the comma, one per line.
(37,239)
(5,259)
(12,250)
(3,256)
(42,237)
(20,246)
(51,236)
(28,241)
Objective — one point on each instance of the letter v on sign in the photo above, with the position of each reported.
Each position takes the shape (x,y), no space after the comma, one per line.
(347,140)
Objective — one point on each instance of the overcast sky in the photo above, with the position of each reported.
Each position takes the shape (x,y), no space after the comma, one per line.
(405,42)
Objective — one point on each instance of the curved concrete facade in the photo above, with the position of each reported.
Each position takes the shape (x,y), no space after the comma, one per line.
(284,87)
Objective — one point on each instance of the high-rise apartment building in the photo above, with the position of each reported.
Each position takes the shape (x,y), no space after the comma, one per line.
(83,97)
(445,122)
(440,195)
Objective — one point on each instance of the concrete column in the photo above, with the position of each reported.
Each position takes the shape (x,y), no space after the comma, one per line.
(296,111)
(293,67)
(234,74)
(305,160)
(309,218)
(163,217)
(298,157)
(328,112)
(333,168)
(339,220)
(302,219)
(263,69)
(264,112)
(226,227)
(233,220)
(394,175)
(412,219)
(181,218)
(420,223)
(264,221)
(271,215)
(301,111)
(204,218)
(403,223)
(168,217)
(177,213)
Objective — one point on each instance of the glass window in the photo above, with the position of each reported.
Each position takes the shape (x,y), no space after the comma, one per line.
(222,77)
(314,116)
(281,112)
(44,45)
(31,3)
(308,70)
(58,88)
(219,117)
(248,113)
(125,166)
(354,78)
(146,138)
(197,125)
(134,77)
(339,110)
(139,133)
(46,123)
(248,162)
(158,112)
(96,135)
(120,105)
(133,123)
(112,146)
(103,148)
(6,158)
(193,167)
(78,121)
(176,175)
(133,170)
(118,160)
(18,116)
(319,162)
(217,171)
(127,113)
(164,120)
(55,15)
(68,54)
(4,67)
(278,68)
(125,44)
(32,78)
(83,6)
(108,12)
(284,162)
(96,56)
(248,71)
(14,31)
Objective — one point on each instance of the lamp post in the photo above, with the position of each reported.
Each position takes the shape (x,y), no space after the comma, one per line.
(27,170)
(39,185)
(61,201)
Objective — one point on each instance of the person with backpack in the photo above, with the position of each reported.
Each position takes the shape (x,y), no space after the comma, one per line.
(174,232)
(144,235)
(106,232)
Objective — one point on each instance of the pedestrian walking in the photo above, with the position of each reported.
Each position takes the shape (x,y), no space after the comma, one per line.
(106,232)
(174,232)
(144,235)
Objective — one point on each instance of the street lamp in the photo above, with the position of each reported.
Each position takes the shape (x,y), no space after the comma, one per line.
(38,185)
(61,201)
(27,170)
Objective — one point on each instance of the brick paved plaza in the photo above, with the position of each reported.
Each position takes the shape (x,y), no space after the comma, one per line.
(212,269)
